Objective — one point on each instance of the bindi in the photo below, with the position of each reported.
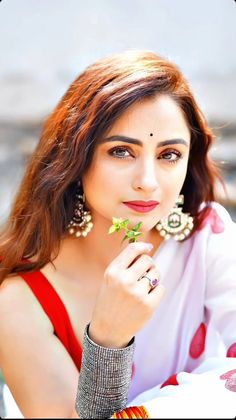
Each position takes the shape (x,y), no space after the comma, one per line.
(151,134)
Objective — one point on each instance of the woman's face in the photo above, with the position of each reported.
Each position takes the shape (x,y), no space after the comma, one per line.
(143,157)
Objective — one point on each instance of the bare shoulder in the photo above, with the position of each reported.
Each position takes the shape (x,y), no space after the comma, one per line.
(18,306)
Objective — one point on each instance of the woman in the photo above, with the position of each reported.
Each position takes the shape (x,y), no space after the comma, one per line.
(127,141)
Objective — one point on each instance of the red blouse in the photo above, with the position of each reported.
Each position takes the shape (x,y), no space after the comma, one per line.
(56,312)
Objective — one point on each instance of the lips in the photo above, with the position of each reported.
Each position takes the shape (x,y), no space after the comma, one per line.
(142,206)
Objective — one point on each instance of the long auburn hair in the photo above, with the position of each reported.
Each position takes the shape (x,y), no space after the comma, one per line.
(44,204)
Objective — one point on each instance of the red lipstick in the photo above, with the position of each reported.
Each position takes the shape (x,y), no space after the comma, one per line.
(141,206)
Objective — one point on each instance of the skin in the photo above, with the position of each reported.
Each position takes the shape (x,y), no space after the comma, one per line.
(106,292)
(139,172)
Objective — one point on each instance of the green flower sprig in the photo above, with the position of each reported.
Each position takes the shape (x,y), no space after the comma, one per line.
(131,234)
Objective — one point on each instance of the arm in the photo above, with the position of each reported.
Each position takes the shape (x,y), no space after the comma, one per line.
(37,368)
(41,375)
(104,379)
(122,305)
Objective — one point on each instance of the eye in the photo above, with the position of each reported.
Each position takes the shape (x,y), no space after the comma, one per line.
(171,156)
(120,152)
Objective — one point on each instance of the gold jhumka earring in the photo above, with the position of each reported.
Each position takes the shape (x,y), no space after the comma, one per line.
(81,222)
(176,224)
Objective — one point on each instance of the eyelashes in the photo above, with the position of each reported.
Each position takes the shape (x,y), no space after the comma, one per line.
(171,156)
(120,152)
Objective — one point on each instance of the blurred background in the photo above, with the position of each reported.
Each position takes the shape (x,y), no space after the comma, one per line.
(46,44)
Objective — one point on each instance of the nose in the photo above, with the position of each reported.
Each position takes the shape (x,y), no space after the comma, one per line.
(145,177)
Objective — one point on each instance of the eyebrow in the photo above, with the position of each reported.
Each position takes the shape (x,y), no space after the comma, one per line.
(140,143)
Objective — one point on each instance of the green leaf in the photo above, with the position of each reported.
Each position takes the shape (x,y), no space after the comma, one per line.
(138,226)
(124,223)
(131,234)
(112,229)
(116,221)
(137,233)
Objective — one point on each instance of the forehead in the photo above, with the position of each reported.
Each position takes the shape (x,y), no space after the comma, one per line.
(160,116)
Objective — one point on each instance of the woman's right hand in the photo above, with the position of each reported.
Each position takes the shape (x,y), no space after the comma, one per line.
(125,302)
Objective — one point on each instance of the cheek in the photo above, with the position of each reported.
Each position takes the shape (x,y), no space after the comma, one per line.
(171,186)
(174,179)
(99,183)
(180,175)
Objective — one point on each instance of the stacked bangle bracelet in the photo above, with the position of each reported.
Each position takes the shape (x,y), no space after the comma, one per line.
(136,412)
(104,379)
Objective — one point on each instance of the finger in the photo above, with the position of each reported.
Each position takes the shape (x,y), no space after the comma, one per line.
(143,285)
(156,294)
(149,278)
(132,251)
(141,266)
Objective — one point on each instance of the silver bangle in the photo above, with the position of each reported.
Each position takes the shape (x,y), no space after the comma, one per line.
(104,379)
